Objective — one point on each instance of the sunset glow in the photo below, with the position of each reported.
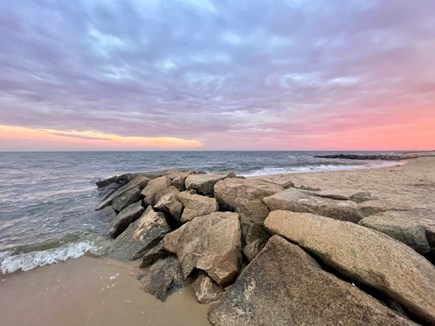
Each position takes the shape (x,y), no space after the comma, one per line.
(49,139)
(213,75)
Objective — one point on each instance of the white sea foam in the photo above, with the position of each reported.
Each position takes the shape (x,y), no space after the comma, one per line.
(318,168)
(10,263)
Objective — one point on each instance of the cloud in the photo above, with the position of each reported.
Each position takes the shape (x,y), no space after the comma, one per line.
(51,139)
(230,74)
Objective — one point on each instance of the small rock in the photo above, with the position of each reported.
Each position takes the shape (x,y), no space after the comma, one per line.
(244,196)
(204,183)
(169,204)
(308,188)
(163,278)
(178,178)
(154,187)
(361,197)
(205,289)
(196,205)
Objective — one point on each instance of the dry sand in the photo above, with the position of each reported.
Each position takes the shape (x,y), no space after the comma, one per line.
(91,291)
(408,187)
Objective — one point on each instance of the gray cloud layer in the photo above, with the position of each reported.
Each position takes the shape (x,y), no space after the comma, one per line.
(232,70)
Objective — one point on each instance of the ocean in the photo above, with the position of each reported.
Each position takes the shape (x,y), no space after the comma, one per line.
(47,199)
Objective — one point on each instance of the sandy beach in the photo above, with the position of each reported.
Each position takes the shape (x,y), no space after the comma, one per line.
(407,186)
(91,291)
(99,291)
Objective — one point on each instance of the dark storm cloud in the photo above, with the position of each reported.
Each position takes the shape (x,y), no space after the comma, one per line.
(203,68)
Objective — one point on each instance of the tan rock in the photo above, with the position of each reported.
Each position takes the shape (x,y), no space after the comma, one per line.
(210,243)
(196,205)
(365,255)
(169,204)
(301,201)
(178,178)
(244,196)
(204,183)
(284,286)
(154,187)
(205,289)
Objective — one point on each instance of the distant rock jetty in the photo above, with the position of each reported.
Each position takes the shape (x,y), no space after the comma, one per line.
(374,157)
(268,253)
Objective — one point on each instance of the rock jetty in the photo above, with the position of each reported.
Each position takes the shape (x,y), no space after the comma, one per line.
(262,252)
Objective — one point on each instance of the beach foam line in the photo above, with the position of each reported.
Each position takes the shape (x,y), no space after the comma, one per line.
(319,168)
(10,263)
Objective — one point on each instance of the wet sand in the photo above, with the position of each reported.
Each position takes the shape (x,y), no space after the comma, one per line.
(91,291)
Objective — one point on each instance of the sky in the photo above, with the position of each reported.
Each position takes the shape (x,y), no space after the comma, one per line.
(217,75)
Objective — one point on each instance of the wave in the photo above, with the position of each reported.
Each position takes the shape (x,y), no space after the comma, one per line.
(302,169)
(10,263)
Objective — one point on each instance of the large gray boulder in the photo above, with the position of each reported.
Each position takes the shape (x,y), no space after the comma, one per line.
(196,205)
(301,201)
(284,286)
(399,226)
(125,217)
(153,188)
(127,198)
(209,243)
(244,196)
(140,236)
(163,278)
(365,255)
(138,182)
(204,183)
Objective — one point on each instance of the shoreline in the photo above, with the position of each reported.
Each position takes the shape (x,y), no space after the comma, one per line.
(113,293)
(91,291)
